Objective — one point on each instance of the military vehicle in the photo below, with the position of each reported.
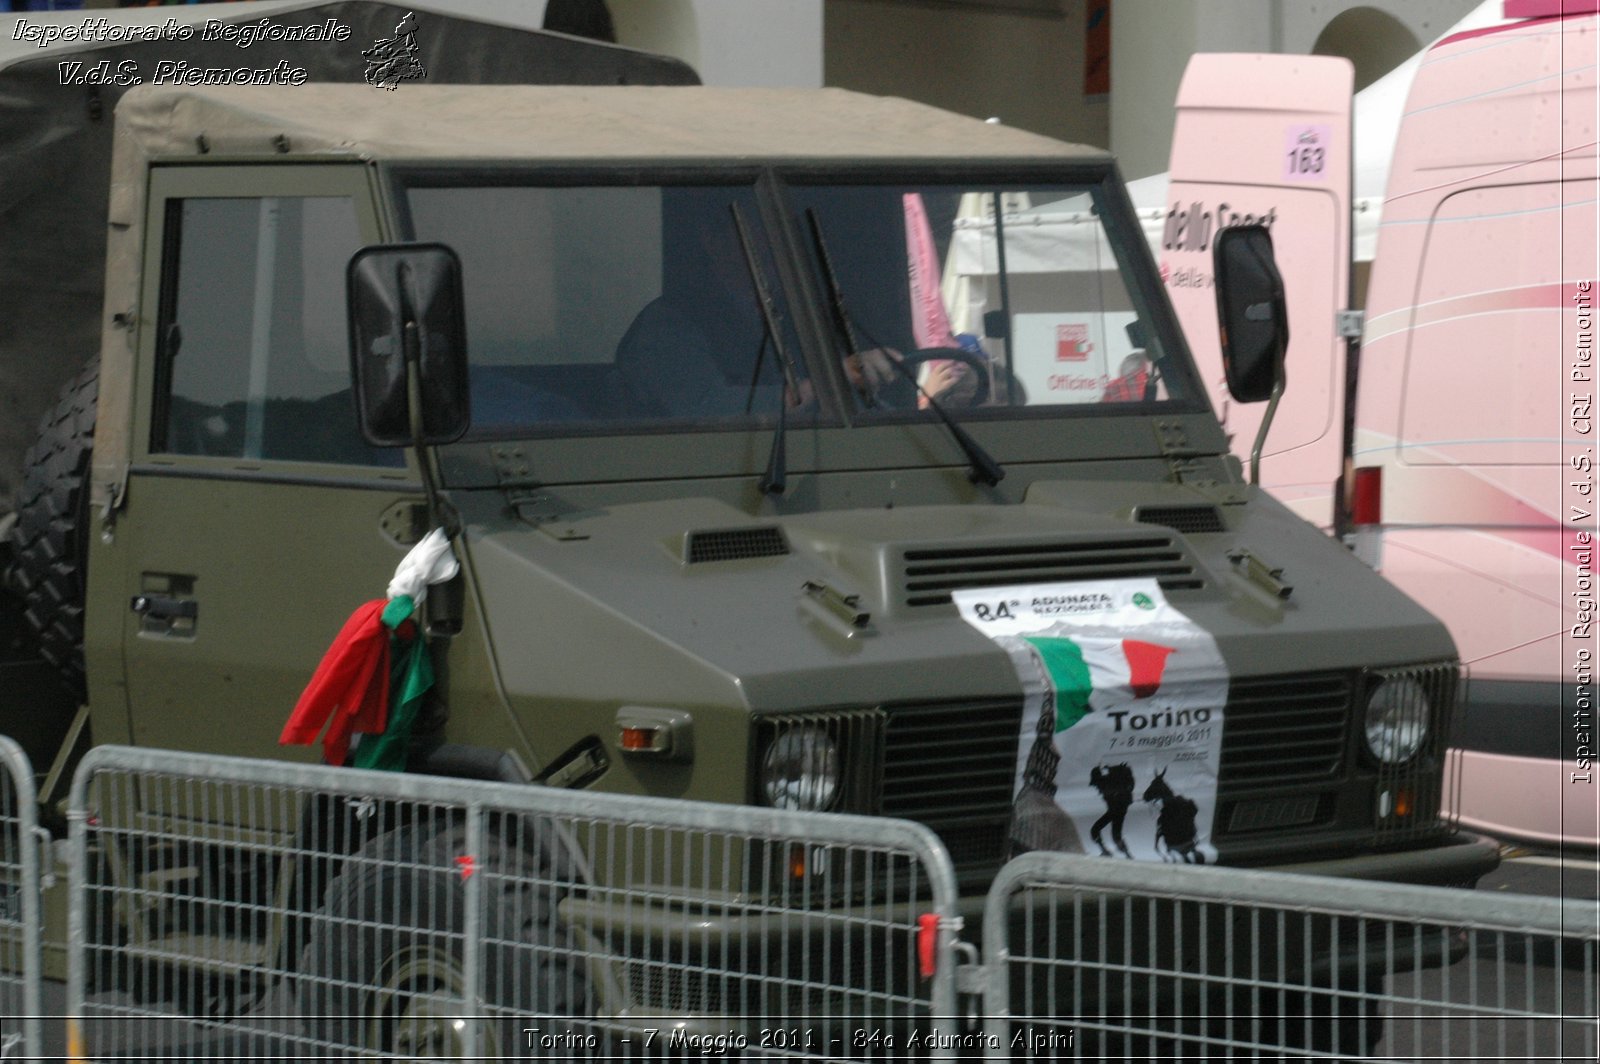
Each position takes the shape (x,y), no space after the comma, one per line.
(648,353)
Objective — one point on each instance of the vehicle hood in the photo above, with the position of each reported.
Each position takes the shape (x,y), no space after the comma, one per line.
(693,601)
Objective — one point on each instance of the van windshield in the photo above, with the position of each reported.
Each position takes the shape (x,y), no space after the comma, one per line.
(997,298)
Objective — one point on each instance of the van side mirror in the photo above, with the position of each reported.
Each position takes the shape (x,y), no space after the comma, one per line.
(1250,312)
(405,309)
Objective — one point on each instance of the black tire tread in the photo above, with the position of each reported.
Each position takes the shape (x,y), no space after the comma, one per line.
(341,957)
(49,541)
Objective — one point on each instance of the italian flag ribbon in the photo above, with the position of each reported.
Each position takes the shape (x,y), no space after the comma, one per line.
(375,674)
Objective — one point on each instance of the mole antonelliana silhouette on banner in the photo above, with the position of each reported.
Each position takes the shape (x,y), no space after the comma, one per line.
(1122,719)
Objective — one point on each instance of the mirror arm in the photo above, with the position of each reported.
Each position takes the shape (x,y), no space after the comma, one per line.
(411,338)
(1261,433)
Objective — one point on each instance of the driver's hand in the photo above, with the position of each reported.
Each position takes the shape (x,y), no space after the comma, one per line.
(871,369)
(804,394)
(939,377)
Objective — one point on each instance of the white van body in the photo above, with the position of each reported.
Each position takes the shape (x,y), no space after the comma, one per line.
(1462,387)
(1475,394)
(1471,394)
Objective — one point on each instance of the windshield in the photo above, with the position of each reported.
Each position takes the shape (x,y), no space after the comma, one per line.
(998,298)
(625,308)
(596,306)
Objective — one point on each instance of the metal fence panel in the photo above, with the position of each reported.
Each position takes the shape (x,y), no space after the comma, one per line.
(21,964)
(228,906)
(1087,957)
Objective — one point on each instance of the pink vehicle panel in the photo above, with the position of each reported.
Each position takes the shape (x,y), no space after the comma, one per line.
(1475,392)
(1285,163)
(1476,374)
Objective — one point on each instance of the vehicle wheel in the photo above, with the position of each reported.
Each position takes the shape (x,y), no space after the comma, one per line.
(384,968)
(49,542)
(108,967)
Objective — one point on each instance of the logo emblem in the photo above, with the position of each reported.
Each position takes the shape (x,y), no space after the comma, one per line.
(392,60)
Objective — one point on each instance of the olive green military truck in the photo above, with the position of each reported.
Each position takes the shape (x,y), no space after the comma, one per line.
(648,353)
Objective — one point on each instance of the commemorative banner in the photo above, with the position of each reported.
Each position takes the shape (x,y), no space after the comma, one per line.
(1121,738)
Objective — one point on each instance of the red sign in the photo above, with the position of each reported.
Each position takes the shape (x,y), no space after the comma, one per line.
(1072,343)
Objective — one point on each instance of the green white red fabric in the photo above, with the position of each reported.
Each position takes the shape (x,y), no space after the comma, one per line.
(374,676)
(1121,736)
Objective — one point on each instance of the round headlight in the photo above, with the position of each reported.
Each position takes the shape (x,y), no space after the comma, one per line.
(1397,720)
(801,770)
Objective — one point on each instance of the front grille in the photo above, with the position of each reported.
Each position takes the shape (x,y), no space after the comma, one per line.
(952,766)
(948,765)
(1285,729)
(1412,783)
(856,735)
(930,574)
(1285,757)
(673,989)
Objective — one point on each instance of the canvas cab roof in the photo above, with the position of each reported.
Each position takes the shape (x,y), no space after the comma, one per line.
(444,124)
(564,123)
(56,168)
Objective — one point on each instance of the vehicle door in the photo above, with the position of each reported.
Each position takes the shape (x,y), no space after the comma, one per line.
(256,517)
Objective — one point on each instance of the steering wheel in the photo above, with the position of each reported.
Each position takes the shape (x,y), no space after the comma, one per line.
(900,393)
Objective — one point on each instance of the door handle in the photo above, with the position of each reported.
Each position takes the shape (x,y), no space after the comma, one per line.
(165,608)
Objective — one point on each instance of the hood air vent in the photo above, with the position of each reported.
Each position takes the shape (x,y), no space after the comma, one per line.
(931,573)
(1189,520)
(733,544)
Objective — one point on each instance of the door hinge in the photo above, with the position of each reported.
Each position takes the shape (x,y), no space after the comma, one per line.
(1187,466)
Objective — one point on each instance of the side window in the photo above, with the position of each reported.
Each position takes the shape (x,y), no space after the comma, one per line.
(254,352)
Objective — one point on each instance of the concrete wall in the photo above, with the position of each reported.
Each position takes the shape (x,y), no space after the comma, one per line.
(1022,63)
(1304,20)
(730,42)
(1151,41)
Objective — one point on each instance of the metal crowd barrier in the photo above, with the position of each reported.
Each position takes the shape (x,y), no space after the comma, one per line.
(1089,958)
(229,907)
(21,965)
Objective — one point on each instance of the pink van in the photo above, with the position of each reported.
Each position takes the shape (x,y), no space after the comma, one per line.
(1454,442)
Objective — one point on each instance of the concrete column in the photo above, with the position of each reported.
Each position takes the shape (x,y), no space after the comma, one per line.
(1151,41)
(730,42)
(1023,64)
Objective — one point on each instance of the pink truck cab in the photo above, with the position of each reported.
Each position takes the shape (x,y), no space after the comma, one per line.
(1451,438)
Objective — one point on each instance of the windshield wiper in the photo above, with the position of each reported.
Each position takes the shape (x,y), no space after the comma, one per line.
(1157,366)
(775,479)
(981,468)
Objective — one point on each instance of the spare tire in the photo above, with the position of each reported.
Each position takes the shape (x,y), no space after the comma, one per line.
(50,539)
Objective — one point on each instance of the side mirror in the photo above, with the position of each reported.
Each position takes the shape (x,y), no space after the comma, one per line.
(406,309)
(1250,312)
